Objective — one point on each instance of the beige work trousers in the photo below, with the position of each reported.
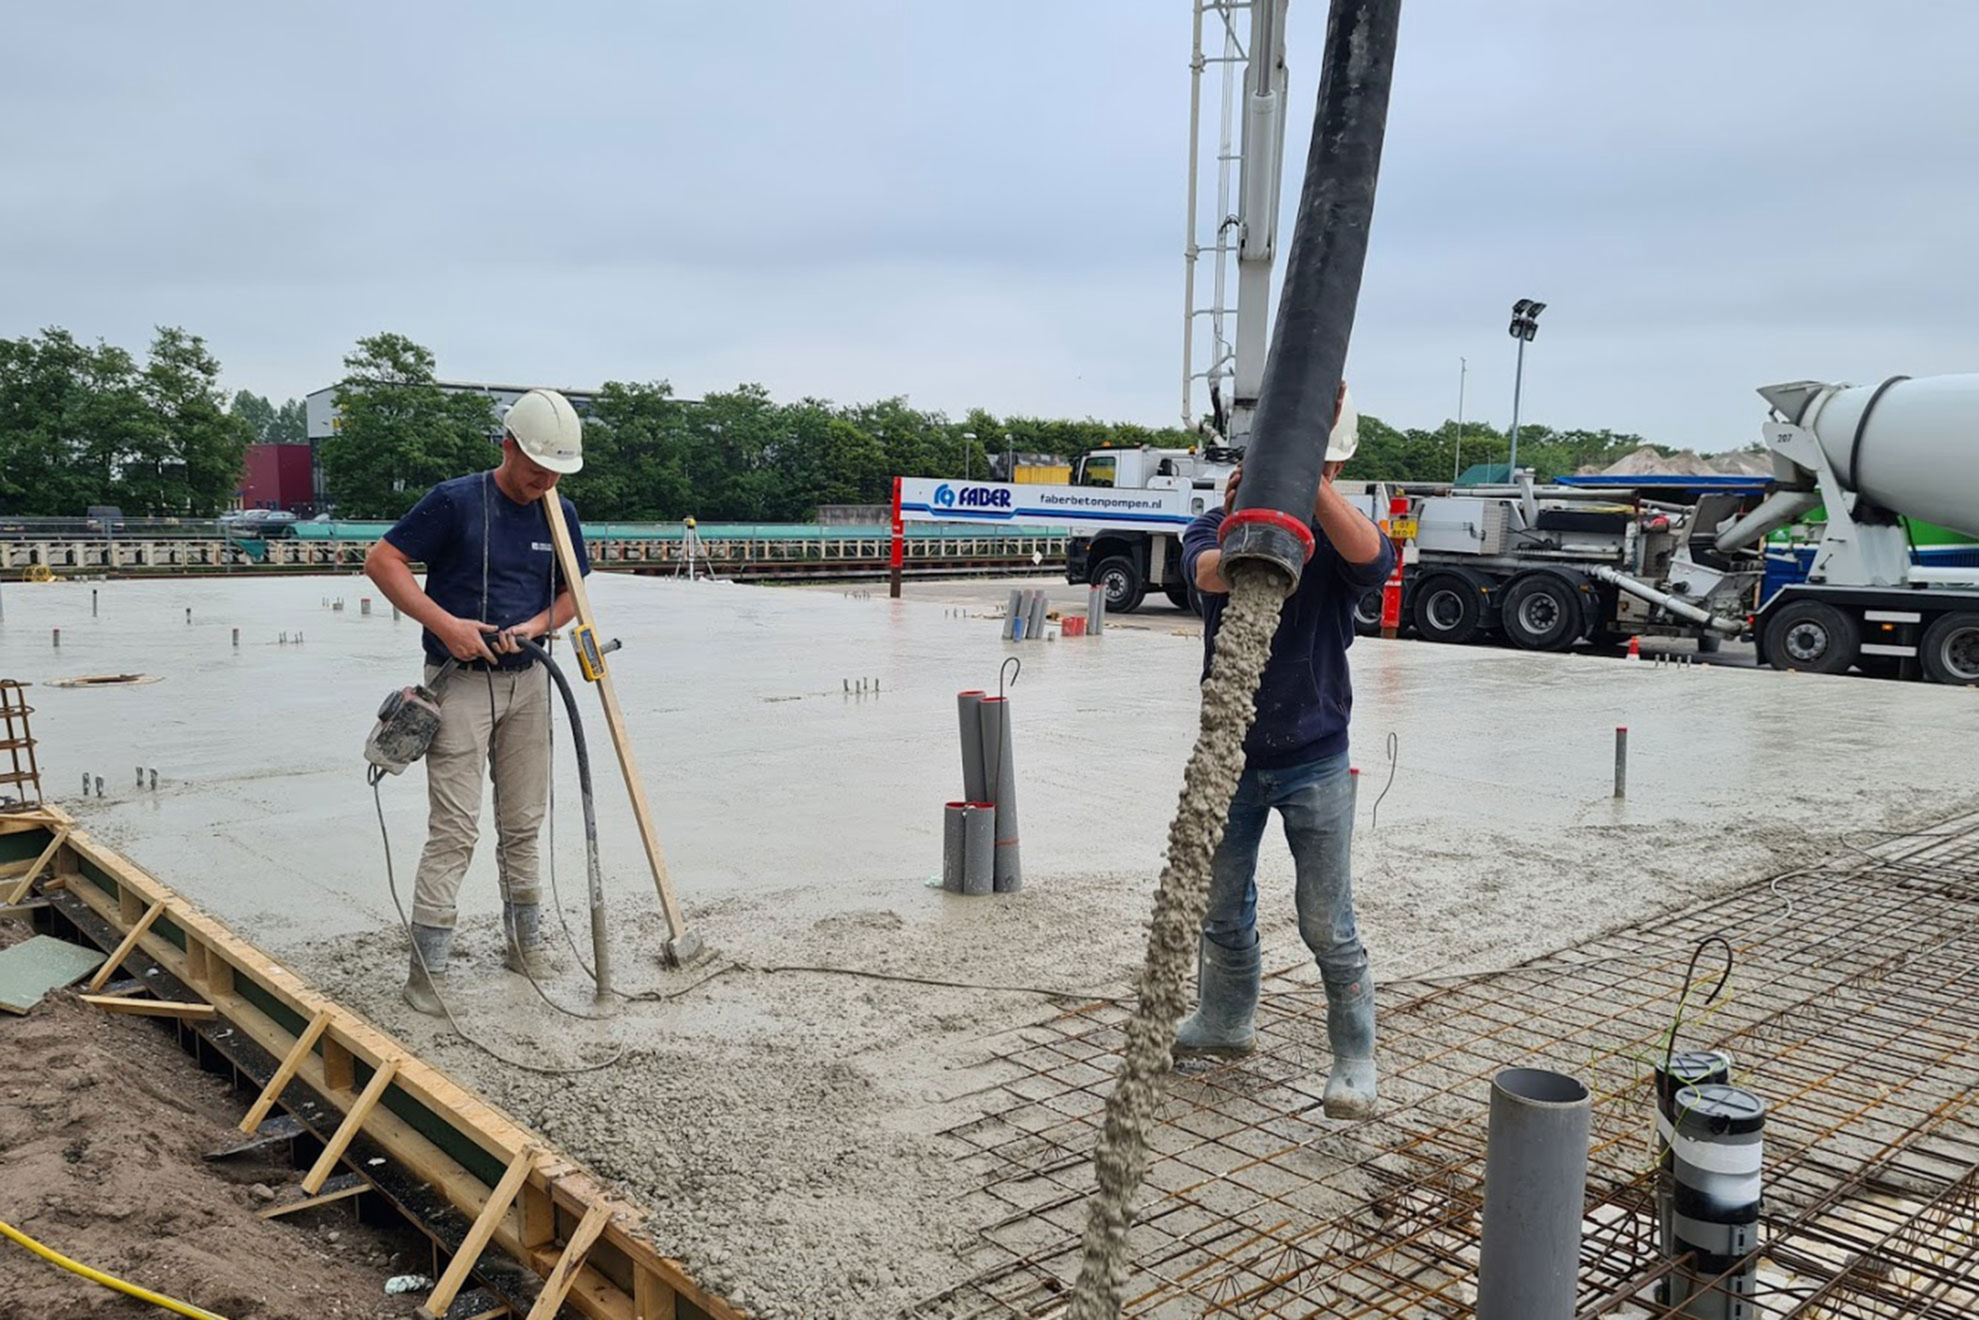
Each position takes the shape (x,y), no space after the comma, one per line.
(517,724)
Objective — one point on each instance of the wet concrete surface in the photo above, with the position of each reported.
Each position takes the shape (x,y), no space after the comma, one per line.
(803,825)
(766,775)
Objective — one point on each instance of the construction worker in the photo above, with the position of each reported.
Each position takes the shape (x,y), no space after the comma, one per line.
(1295,759)
(491,577)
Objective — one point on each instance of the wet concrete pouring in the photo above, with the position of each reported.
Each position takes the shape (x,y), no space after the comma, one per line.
(801,1135)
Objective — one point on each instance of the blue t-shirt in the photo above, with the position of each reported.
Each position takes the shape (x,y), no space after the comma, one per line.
(443,531)
(1306,696)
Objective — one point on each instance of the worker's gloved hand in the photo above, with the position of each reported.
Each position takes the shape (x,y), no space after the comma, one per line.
(465,639)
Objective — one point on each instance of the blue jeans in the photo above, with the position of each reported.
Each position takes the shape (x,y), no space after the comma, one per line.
(1316,801)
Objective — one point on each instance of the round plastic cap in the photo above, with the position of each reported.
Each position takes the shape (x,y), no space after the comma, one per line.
(547,430)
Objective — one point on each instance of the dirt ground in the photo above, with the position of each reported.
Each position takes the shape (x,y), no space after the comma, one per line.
(103,1121)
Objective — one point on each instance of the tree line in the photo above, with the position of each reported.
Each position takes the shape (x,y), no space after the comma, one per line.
(86,425)
(83,425)
(740,456)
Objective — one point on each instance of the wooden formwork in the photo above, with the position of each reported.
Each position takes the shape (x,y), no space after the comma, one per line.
(468,1174)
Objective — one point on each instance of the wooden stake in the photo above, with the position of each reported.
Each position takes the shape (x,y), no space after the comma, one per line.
(615,721)
(150,1007)
(477,1237)
(557,1286)
(123,950)
(341,1188)
(354,1120)
(26,882)
(286,1073)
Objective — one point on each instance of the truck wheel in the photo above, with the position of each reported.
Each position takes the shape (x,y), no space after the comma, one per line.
(1542,612)
(1125,589)
(1448,609)
(1367,613)
(1813,637)
(1951,649)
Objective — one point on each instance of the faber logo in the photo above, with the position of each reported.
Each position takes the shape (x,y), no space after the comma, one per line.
(971,497)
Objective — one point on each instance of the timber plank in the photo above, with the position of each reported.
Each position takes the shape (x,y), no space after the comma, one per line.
(433,1182)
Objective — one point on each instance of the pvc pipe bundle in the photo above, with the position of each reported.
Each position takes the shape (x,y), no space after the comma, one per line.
(1011,613)
(1719,1149)
(1535,1181)
(979,833)
(1038,608)
(1682,1069)
(968,847)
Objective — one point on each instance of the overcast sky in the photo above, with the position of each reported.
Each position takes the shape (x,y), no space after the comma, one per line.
(982,203)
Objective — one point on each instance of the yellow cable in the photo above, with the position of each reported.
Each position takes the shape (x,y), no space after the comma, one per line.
(98,1276)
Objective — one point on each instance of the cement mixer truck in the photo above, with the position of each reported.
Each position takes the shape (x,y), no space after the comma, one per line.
(1867,456)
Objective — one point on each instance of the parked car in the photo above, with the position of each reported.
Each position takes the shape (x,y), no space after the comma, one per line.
(265,523)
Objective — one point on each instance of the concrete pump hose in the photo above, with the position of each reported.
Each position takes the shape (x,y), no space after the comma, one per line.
(600,946)
(109,1281)
(1265,546)
(1300,391)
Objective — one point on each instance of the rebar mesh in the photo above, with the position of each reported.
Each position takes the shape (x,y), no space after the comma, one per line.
(1853,1011)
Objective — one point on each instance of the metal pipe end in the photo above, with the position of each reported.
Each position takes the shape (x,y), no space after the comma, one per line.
(1267,536)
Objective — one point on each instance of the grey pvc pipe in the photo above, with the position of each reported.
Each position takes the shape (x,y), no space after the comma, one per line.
(1535,1184)
(954,844)
(1010,615)
(1621,760)
(975,777)
(995,713)
(979,848)
(1096,611)
(1038,607)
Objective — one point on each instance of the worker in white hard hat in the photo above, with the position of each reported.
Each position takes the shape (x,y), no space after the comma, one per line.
(1295,761)
(492,576)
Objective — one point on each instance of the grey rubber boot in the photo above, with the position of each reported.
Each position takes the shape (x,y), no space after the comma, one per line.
(522,934)
(429,968)
(1227,991)
(1350,1085)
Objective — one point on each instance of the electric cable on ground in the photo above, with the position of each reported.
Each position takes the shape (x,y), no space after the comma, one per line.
(110,1281)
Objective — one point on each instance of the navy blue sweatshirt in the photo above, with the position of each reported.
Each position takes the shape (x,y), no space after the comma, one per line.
(1306,696)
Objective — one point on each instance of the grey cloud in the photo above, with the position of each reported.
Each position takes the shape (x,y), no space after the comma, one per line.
(983,203)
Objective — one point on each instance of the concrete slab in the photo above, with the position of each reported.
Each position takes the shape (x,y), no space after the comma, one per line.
(779,1105)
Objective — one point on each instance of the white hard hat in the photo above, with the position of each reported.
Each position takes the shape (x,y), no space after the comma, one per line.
(1346,436)
(546,429)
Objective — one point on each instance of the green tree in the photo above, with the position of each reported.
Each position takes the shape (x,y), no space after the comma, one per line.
(72,416)
(194,462)
(256,411)
(634,456)
(289,425)
(398,433)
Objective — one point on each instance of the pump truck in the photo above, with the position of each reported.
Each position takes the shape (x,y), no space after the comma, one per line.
(1547,567)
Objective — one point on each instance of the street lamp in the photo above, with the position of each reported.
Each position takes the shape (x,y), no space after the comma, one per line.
(967,436)
(1525,324)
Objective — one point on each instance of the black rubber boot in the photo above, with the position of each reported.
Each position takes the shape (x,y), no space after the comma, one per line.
(522,934)
(1227,984)
(1350,1084)
(429,968)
